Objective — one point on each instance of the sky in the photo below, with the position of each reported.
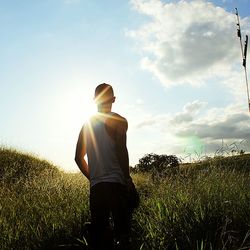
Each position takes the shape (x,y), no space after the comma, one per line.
(175,66)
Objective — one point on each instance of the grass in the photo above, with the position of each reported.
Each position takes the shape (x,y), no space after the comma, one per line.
(40,210)
(204,206)
(206,210)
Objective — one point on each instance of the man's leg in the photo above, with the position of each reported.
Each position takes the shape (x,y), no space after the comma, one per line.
(102,238)
(121,216)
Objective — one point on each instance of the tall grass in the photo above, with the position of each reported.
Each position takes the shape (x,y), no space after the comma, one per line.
(41,212)
(203,206)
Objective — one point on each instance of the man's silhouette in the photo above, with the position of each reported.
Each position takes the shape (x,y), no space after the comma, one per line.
(103,140)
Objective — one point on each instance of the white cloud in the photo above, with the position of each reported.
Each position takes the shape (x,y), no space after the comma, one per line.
(228,131)
(193,42)
(187,41)
(189,111)
(197,130)
(234,126)
(230,124)
(147,122)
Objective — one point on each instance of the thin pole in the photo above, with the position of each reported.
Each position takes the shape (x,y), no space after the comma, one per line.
(247,88)
(243,55)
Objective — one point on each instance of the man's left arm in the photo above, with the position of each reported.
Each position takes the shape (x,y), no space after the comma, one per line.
(80,153)
(121,144)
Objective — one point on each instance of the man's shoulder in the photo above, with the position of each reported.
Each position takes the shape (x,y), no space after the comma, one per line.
(119,118)
(93,120)
(90,123)
(120,121)
(116,122)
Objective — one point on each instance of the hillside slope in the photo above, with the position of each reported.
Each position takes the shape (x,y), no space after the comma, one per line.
(206,208)
(236,162)
(16,166)
(41,207)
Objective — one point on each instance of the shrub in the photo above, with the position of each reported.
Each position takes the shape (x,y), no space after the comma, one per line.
(158,164)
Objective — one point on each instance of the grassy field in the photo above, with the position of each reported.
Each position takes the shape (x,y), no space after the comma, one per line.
(202,206)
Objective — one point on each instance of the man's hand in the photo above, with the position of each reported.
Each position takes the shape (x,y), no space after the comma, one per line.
(130,184)
(80,153)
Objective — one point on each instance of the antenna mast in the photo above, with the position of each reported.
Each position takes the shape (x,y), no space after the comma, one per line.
(243,54)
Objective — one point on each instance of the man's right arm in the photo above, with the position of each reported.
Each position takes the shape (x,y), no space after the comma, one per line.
(80,153)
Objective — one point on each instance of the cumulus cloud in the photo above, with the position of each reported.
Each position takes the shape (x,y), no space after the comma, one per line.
(163,121)
(234,126)
(188,113)
(195,129)
(153,121)
(194,42)
(218,128)
(147,122)
(186,41)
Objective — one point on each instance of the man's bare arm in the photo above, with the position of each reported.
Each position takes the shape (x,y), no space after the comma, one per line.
(122,152)
(80,153)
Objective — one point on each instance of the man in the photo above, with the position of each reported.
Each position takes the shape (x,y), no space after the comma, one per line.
(103,140)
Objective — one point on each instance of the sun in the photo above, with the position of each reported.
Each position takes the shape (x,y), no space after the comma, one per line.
(88,109)
(75,107)
(82,107)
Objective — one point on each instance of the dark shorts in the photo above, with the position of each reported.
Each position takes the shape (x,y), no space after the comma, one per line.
(108,199)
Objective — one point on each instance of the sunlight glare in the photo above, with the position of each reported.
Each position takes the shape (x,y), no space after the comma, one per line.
(69,110)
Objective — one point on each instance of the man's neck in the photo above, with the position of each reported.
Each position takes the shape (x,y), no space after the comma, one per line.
(104,109)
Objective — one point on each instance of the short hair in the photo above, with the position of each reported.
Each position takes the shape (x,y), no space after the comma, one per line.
(104,93)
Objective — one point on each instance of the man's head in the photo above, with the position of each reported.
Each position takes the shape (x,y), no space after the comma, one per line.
(104,94)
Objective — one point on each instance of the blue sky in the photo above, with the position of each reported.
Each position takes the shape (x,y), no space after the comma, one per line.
(175,67)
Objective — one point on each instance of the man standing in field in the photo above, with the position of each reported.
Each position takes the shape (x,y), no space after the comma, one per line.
(103,140)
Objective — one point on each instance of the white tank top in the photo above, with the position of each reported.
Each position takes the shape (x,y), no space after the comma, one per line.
(101,152)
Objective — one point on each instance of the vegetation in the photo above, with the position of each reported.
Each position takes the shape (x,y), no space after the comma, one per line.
(195,210)
(200,206)
(41,207)
(157,165)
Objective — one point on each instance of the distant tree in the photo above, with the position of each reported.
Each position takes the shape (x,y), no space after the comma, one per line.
(157,163)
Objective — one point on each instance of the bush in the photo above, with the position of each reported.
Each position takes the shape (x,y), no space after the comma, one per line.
(158,164)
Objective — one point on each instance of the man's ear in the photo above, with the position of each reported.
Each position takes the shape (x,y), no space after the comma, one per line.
(113,99)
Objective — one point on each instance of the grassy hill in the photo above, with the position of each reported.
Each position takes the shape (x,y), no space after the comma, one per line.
(233,162)
(205,205)
(17,166)
(41,207)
